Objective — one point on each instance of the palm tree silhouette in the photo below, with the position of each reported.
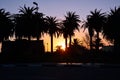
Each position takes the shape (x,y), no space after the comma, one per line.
(71,23)
(96,21)
(64,31)
(39,25)
(6,25)
(87,25)
(52,27)
(24,22)
(111,29)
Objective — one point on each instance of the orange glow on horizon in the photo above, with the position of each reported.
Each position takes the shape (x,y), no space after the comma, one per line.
(62,44)
(60,41)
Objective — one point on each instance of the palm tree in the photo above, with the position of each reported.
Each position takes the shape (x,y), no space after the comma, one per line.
(97,21)
(18,26)
(6,25)
(24,22)
(71,23)
(52,27)
(90,30)
(65,33)
(39,25)
(111,29)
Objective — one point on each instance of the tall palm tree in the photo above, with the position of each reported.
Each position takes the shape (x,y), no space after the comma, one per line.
(52,27)
(6,25)
(18,26)
(111,29)
(65,35)
(24,22)
(71,23)
(39,25)
(90,30)
(63,32)
(97,21)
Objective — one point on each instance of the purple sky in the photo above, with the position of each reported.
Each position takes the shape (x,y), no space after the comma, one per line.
(58,8)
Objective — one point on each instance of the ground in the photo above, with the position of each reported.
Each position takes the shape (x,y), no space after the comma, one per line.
(52,72)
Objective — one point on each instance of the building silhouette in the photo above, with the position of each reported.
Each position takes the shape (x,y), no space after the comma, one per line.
(23,50)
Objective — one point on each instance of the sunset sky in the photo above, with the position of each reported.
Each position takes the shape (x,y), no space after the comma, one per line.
(59,8)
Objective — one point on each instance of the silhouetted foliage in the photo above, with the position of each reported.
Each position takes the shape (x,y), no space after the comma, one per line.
(39,25)
(52,28)
(6,25)
(59,50)
(29,23)
(87,25)
(96,21)
(71,23)
(111,29)
(25,22)
(64,31)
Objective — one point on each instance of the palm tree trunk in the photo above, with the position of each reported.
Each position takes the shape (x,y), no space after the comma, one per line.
(65,43)
(29,38)
(19,38)
(90,42)
(117,45)
(70,41)
(37,38)
(51,43)
(90,30)
(97,42)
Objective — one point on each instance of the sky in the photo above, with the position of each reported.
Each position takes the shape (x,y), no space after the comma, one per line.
(59,8)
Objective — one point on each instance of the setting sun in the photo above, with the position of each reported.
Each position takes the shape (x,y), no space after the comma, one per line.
(62,44)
